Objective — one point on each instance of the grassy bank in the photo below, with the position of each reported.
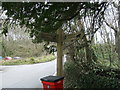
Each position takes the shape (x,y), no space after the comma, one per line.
(31,60)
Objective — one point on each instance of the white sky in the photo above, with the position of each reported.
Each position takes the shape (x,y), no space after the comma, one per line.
(111,17)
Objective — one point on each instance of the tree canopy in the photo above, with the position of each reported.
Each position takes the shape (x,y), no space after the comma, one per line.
(47,18)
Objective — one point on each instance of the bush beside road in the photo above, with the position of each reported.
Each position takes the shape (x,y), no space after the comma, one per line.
(31,60)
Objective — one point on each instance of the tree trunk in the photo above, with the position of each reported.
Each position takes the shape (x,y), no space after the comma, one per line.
(117,42)
(3,49)
(117,36)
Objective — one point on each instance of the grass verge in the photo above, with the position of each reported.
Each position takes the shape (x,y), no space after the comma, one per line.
(31,60)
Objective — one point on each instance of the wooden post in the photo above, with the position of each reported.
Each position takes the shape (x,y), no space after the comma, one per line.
(60,52)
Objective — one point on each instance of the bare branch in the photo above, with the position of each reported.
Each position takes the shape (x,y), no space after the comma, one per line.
(110,26)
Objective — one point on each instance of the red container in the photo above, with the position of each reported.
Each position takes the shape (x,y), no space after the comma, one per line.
(52,82)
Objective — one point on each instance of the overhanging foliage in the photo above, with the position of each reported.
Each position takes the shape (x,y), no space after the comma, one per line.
(40,17)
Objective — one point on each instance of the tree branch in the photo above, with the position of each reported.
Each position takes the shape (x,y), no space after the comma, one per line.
(110,26)
(48,37)
(69,18)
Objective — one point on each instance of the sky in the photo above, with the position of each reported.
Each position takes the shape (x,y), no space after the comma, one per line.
(111,17)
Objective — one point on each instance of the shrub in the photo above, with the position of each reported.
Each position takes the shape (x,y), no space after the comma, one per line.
(32,60)
(76,77)
(72,72)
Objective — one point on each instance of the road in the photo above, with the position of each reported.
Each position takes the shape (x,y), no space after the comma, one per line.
(25,76)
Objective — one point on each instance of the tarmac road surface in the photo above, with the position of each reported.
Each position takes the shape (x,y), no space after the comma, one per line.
(25,76)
